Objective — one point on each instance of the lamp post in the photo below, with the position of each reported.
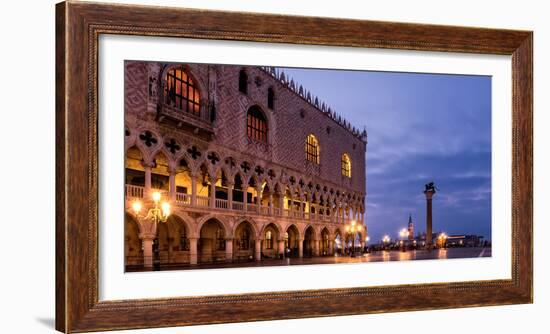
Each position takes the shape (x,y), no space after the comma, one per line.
(386,240)
(442,240)
(352,229)
(404,233)
(159,213)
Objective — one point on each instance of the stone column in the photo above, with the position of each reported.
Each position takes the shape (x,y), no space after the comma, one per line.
(193,253)
(228,250)
(213,192)
(301,248)
(291,207)
(281,203)
(147,190)
(258,250)
(270,203)
(259,199)
(315,247)
(172,181)
(245,198)
(281,249)
(429,194)
(331,247)
(193,189)
(230,195)
(147,244)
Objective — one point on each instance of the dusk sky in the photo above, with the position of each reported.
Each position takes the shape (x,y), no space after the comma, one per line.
(421,127)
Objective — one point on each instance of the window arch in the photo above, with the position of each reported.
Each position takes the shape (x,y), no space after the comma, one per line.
(181,91)
(312,149)
(256,124)
(346,165)
(243,82)
(270,98)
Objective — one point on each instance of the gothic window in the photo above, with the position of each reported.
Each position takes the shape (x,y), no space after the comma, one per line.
(268,240)
(346,165)
(312,149)
(270,98)
(181,91)
(243,82)
(220,241)
(256,124)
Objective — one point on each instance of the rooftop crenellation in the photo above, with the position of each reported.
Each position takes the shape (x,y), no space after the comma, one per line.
(305,94)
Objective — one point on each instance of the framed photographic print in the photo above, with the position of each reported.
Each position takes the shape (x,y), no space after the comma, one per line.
(211,169)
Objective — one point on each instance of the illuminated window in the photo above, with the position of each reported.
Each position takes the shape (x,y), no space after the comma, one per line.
(312,149)
(270,98)
(256,124)
(181,91)
(268,240)
(243,82)
(346,165)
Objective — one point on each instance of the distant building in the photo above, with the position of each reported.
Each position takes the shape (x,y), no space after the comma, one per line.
(411,228)
(464,241)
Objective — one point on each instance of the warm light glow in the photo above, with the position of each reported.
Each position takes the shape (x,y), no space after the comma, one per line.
(136,206)
(386,238)
(359,228)
(353,223)
(165,208)
(156,196)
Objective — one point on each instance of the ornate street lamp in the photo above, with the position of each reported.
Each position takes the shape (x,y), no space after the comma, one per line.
(155,215)
(351,230)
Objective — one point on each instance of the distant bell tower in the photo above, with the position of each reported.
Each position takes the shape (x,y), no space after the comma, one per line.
(411,228)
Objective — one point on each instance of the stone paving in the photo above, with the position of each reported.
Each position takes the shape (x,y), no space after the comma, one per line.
(380,256)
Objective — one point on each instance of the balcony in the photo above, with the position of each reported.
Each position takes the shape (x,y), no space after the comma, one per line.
(203,202)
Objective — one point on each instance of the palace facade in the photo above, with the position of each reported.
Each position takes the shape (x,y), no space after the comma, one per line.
(253,166)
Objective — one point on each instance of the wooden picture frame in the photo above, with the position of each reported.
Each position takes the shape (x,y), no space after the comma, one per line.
(78,26)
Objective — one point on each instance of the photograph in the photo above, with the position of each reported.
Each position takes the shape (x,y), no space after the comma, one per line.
(232,165)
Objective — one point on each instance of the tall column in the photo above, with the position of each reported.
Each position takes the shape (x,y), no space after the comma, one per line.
(291,207)
(193,250)
(259,199)
(228,250)
(315,247)
(213,192)
(230,195)
(301,248)
(147,244)
(147,190)
(193,189)
(270,203)
(245,197)
(258,249)
(281,249)
(172,182)
(330,247)
(281,202)
(429,192)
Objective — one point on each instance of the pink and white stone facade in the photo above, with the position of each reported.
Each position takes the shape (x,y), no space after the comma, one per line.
(201,163)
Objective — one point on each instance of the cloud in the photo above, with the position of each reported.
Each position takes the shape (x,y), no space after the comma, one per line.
(420,128)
